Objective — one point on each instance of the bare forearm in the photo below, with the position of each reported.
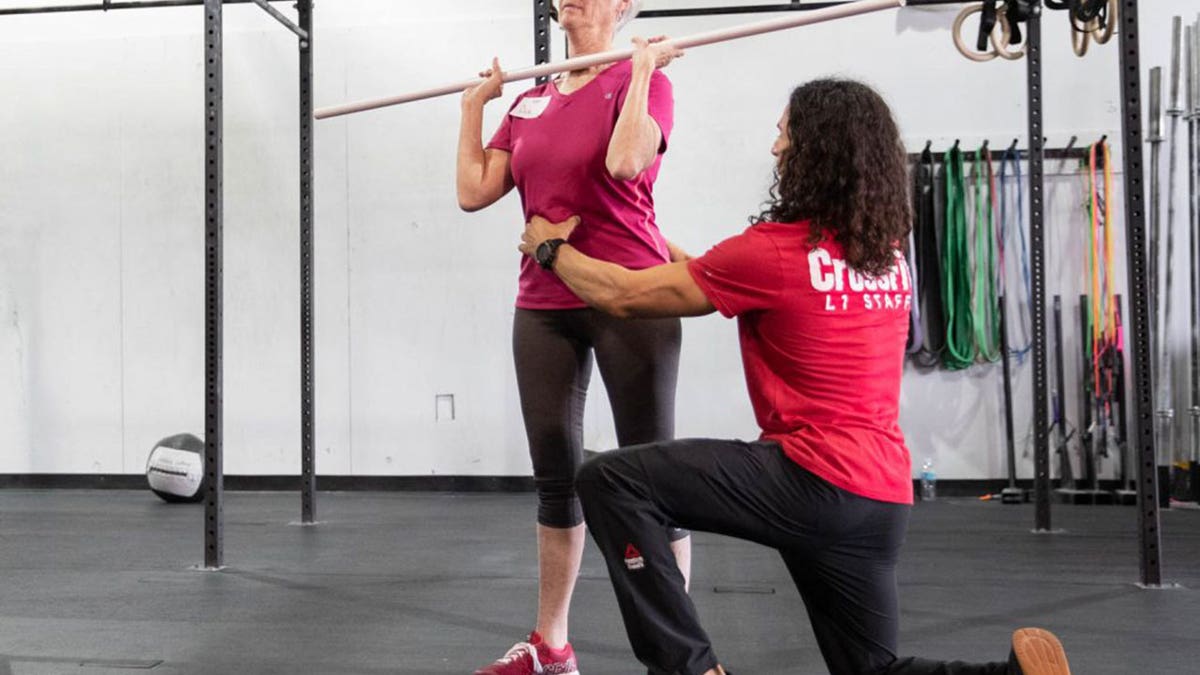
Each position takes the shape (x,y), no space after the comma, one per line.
(471,157)
(662,291)
(598,283)
(636,136)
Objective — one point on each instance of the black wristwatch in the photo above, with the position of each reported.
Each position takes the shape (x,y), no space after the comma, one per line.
(547,252)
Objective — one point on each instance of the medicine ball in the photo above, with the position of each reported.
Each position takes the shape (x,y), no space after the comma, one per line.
(175,470)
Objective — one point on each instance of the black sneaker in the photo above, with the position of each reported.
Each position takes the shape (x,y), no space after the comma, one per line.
(1037,652)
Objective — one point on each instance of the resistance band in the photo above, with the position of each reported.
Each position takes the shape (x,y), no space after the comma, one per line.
(916,332)
(926,233)
(956,275)
(1021,347)
(1102,315)
(984,317)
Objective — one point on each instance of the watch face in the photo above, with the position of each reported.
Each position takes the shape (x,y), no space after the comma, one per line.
(543,254)
(547,251)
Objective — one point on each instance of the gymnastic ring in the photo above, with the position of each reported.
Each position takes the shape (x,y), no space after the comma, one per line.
(1079,39)
(1001,46)
(978,57)
(1103,35)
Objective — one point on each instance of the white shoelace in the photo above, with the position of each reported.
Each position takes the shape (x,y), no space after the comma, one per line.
(520,649)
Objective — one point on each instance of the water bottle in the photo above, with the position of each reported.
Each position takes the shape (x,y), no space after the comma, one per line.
(928,481)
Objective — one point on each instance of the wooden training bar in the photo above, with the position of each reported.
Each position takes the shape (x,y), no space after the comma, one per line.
(579,63)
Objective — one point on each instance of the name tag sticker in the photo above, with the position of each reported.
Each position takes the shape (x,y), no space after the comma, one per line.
(531,107)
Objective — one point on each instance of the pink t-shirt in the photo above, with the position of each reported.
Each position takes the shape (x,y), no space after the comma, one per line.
(558,145)
(823,349)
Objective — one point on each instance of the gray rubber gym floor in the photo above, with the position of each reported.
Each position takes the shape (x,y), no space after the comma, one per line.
(98,583)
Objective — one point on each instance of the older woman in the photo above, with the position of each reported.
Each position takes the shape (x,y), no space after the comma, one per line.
(589,143)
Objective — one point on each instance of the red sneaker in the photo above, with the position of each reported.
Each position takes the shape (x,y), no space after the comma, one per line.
(533,658)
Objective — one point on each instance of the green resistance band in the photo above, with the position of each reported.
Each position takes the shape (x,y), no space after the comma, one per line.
(956,275)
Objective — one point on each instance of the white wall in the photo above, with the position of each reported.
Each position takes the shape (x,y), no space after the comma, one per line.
(101,201)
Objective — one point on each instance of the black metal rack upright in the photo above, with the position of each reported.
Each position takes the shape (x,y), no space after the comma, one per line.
(1131,104)
(308,465)
(214,254)
(1149,536)
(541,35)
(1037,271)
(214,522)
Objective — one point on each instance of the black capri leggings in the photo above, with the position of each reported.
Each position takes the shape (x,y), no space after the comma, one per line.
(639,361)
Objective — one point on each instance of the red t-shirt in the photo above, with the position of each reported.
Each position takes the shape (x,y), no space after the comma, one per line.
(558,145)
(823,350)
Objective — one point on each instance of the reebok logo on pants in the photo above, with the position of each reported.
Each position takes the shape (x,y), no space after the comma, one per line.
(633,558)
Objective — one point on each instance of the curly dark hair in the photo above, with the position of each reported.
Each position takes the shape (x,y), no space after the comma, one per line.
(845,170)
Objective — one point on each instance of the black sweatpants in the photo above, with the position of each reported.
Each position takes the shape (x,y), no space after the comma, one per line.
(840,549)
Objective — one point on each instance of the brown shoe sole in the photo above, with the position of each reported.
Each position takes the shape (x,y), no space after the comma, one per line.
(1039,652)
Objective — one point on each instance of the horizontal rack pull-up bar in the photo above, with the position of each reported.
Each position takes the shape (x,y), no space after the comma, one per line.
(106,6)
(839,11)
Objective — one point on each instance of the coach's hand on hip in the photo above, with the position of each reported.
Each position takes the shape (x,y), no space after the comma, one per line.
(539,229)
